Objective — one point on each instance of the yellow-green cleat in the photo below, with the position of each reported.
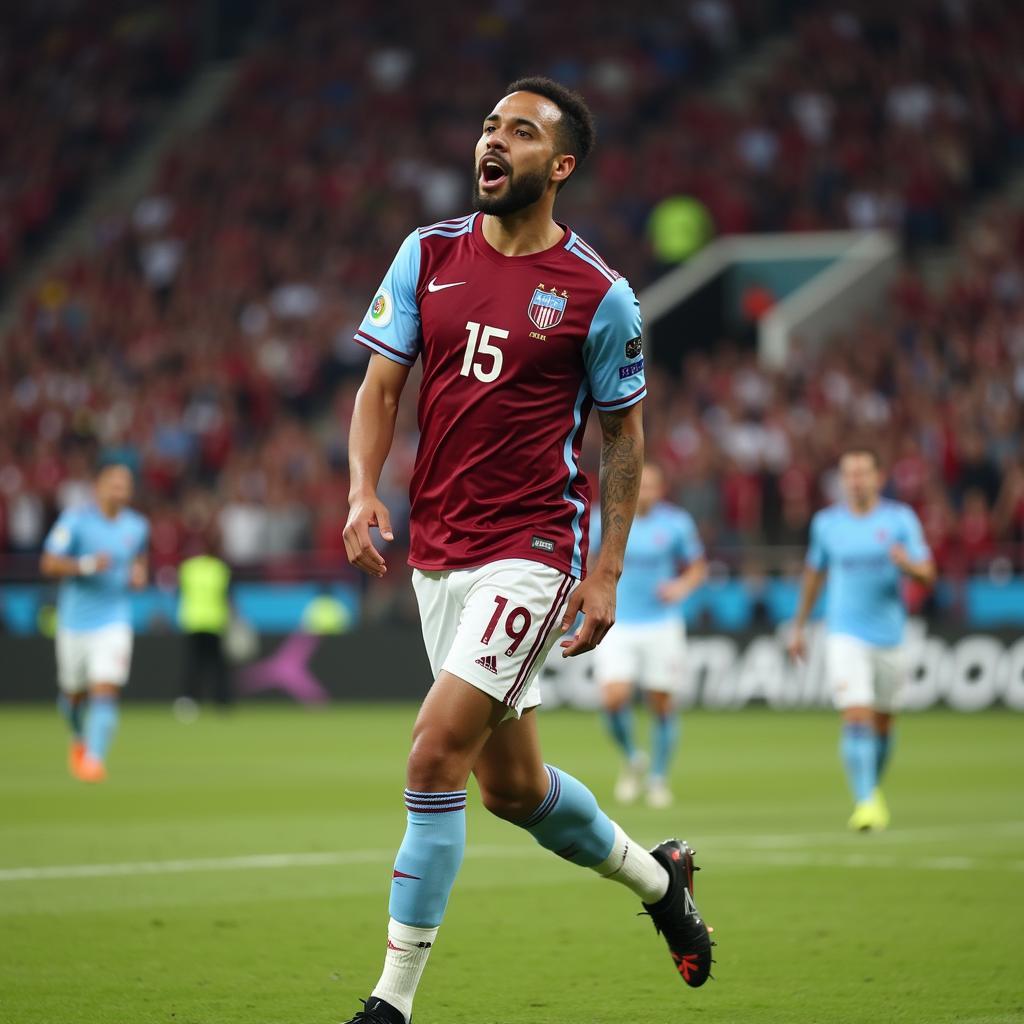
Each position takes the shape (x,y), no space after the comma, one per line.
(871,815)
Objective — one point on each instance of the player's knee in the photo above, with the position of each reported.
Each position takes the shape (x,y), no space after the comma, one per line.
(858,716)
(435,764)
(511,803)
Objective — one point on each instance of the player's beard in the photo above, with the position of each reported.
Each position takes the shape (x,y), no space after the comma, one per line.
(523,190)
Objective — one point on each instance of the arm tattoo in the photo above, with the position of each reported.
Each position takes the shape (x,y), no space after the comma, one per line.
(622,459)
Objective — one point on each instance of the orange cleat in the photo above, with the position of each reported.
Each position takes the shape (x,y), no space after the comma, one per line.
(90,769)
(75,754)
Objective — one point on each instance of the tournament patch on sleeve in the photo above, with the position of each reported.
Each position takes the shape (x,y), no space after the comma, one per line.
(615,335)
(632,370)
(391,326)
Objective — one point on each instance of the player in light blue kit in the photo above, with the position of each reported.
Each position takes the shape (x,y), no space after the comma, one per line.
(864,546)
(98,552)
(664,562)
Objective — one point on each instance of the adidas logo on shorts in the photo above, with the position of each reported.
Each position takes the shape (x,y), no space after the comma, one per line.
(489,662)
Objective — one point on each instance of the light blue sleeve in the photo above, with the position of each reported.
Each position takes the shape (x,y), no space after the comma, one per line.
(917,546)
(63,536)
(817,552)
(691,548)
(391,326)
(612,352)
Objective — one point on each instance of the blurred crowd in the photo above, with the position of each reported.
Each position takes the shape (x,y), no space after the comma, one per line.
(934,385)
(82,80)
(204,336)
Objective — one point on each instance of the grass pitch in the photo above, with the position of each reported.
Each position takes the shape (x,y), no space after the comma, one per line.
(237,871)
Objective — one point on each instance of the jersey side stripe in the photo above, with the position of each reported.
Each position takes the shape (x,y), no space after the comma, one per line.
(380,348)
(571,240)
(574,470)
(619,403)
(591,251)
(597,266)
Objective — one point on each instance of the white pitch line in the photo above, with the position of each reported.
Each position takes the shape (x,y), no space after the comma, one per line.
(732,849)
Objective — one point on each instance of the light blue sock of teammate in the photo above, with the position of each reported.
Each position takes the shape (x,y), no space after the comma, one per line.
(73,711)
(883,748)
(858,749)
(620,726)
(569,822)
(429,858)
(664,738)
(100,726)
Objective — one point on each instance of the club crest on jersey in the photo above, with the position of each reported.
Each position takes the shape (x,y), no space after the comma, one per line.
(547,307)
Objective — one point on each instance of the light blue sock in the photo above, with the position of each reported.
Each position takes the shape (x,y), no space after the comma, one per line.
(883,748)
(620,725)
(429,858)
(100,726)
(859,753)
(664,737)
(73,711)
(569,822)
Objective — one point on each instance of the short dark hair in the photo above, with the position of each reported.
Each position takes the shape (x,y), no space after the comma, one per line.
(863,449)
(577,131)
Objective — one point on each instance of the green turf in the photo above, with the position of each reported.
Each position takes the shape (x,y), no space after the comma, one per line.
(923,923)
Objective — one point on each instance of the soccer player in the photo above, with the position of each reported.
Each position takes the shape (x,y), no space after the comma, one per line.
(664,563)
(863,546)
(522,328)
(98,553)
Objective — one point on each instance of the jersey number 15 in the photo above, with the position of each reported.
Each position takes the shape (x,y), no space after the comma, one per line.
(478,347)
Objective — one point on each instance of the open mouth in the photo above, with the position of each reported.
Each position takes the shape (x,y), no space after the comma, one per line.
(492,174)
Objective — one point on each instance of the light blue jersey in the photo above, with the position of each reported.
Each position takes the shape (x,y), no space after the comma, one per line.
(863,597)
(102,599)
(659,544)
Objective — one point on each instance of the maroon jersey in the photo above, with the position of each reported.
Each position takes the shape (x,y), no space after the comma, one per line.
(516,350)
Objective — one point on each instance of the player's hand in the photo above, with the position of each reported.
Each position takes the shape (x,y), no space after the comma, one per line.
(595,597)
(899,557)
(364,513)
(796,647)
(137,577)
(672,592)
(103,562)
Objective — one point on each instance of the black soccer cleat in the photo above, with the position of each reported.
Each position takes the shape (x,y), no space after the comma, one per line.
(376,1011)
(676,916)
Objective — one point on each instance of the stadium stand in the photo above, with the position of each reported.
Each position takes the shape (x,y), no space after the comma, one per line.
(91,77)
(205,335)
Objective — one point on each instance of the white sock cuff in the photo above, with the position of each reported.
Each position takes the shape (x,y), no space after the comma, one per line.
(409,933)
(617,858)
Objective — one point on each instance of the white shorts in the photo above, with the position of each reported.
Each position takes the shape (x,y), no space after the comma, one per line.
(493,626)
(93,656)
(650,656)
(861,675)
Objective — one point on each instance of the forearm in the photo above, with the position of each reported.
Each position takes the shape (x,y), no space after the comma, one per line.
(922,572)
(63,566)
(622,460)
(370,436)
(693,576)
(809,591)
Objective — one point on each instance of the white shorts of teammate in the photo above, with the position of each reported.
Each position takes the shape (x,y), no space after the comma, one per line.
(93,656)
(652,657)
(862,675)
(494,625)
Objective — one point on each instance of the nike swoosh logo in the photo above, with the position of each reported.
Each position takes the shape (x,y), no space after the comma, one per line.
(435,287)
